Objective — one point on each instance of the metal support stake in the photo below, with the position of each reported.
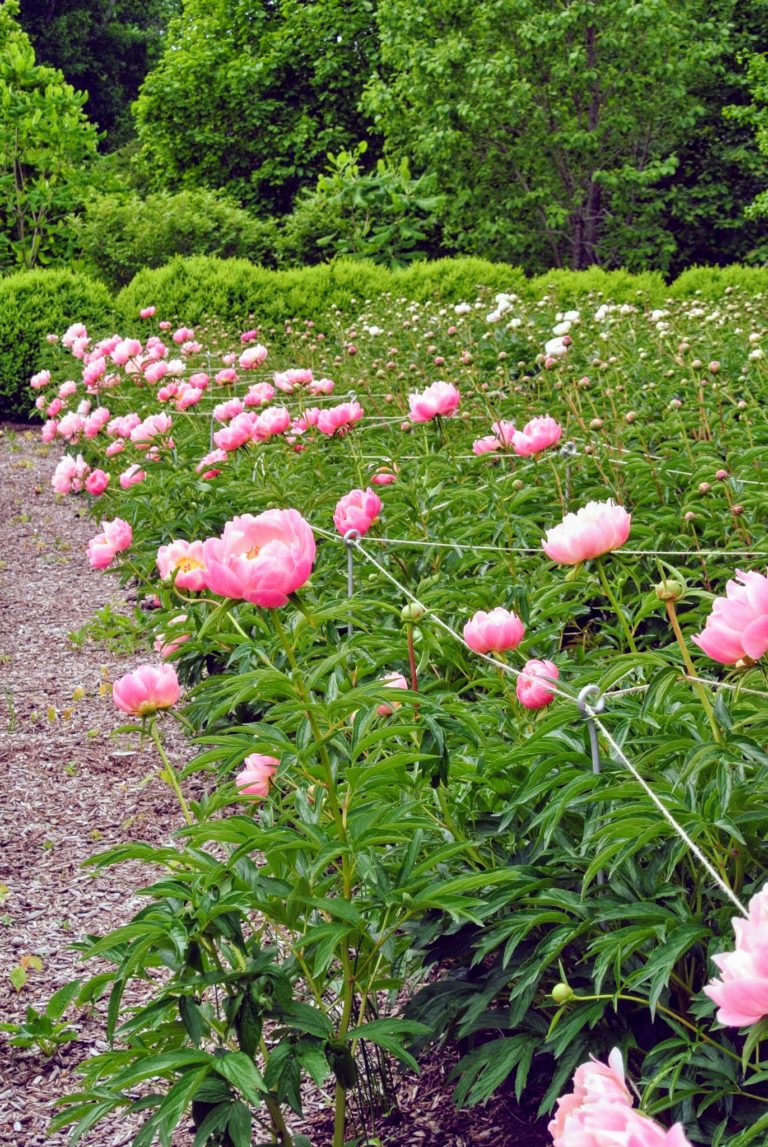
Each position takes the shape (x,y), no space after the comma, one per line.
(350,538)
(567,451)
(588,709)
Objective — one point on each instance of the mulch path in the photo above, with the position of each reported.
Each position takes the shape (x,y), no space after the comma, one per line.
(70,789)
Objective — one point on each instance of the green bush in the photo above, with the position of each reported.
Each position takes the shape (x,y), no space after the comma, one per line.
(32,305)
(570,287)
(119,235)
(712,282)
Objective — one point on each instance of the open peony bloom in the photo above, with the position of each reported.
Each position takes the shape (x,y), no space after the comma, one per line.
(441,398)
(741,992)
(146,690)
(185,559)
(260,559)
(116,535)
(391,681)
(357,510)
(595,529)
(536,436)
(70,475)
(339,419)
(737,627)
(534,686)
(599,1112)
(256,775)
(494,632)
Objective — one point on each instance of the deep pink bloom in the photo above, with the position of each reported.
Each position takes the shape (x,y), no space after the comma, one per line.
(185,559)
(534,684)
(182,335)
(599,1113)
(494,632)
(441,398)
(147,312)
(357,510)
(741,992)
(391,681)
(338,419)
(146,690)
(260,559)
(383,478)
(737,627)
(116,536)
(595,529)
(256,775)
(225,375)
(536,436)
(97,482)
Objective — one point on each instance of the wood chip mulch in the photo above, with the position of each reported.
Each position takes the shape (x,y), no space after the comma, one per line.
(70,789)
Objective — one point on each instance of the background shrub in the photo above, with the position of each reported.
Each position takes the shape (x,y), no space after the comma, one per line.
(32,305)
(119,235)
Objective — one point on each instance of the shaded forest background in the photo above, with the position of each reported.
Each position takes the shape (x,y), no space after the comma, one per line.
(571,134)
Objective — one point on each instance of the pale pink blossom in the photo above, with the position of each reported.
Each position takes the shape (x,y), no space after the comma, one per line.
(227,375)
(260,559)
(126,350)
(146,690)
(505,432)
(147,312)
(440,399)
(259,395)
(494,632)
(114,448)
(256,775)
(357,510)
(274,420)
(70,474)
(487,445)
(211,459)
(536,435)
(252,357)
(391,681)
(595,529)
(321,386)
(339,419)
(71,426)
(200,380)
(76,331)
(534,685)
(40,380)
(132,476)
(737,627)
(68,388)
(184,560)
(741,991)
(182,335)
(156,371)
(49,430)
(54,407)
(225,411)
(115,537)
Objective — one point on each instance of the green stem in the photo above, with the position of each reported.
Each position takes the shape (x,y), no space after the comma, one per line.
(614,602)
(665,1011)
(691,669)
(168,773)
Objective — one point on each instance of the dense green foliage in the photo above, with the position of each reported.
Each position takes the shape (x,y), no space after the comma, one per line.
(34,304)
(45,142)
(104,48)
(250,97)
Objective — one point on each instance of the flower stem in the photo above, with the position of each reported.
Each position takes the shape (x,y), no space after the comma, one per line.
(616,607)
(168,773)
(691,669)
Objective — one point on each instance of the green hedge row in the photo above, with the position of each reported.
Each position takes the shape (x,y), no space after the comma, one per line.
(238,294)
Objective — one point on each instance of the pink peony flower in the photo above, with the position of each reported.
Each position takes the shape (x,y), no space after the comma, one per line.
(70,475)
(147,312)
(185,559)
(225,375)
(146,690)
(255,777)
(182,335)
(599,1112)
(536,436)
(487,445)
(741,992)
(595,529)
(338,419)
(505,432)
(391,681)
(357,510)
(272,421)
(383,478)
(441,398)
(132,476)
(494,632)
(116,536)
(166,644)
(533,685)
(39,380)
(252,357)
(260,559)
(97,482)
(259,395)
(737,627)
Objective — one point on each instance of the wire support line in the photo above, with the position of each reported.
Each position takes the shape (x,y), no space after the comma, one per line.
(735,687)
(427,543)
(622,758)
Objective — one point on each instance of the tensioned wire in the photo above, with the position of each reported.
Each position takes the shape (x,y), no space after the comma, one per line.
(559,692)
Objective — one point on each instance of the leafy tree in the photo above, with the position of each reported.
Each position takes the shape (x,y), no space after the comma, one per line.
(45,140)
(251,95)
(104,47)
(549,126)
(755,115)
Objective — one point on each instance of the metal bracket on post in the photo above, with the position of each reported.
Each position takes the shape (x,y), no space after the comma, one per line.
(590,702)
(567,451)
(349,539)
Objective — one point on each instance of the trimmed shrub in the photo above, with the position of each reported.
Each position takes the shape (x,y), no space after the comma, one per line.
(120,235)
(32,305)
(567,288)
(712,282)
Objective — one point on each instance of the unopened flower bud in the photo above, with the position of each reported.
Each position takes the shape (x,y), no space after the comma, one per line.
(670,590)
(412,611)
(737,510)
(596,424)
(630,416)
(704,487)
(562,993)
